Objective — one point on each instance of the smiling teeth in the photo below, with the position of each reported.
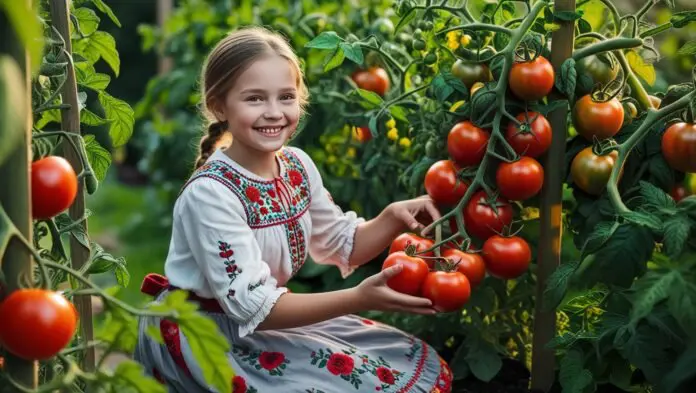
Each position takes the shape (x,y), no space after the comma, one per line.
(274,130)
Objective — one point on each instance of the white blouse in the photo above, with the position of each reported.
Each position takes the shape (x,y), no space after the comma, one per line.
(239,238)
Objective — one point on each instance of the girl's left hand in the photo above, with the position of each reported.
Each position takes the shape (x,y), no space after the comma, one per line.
(416,213)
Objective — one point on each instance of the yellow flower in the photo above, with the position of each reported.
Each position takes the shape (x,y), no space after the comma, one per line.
(453,45)
(465,40)
(391,123)
(393,134)
(405,142)
(331,159)
(453,36)
(351,152)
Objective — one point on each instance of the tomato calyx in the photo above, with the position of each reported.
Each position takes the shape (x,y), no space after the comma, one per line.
(607,93)
(604,147)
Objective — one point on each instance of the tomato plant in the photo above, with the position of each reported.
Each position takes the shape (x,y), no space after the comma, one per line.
(469,264)
(520,180)
(679,146)
(485,216)
(466,143)
(591,172)
(532,80)
(443,183)
(410,279)
(506,257)
(532,137)
(407,239)
(449,291)
(53,186)
(597,119)
(373,79)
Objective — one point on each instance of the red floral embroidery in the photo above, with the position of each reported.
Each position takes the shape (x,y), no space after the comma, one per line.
(385,375)
(295,177)
(368,322)
(228,175)
(340,364)
(253,193)
(239,384)
(263,210)
(271,360)
(271,193)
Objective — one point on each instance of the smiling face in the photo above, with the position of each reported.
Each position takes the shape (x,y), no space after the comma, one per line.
(263,107)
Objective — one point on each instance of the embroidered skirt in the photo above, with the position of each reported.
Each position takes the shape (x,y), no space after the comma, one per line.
(345,354)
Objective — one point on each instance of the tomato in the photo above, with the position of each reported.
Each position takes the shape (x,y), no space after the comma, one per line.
(443,185)
(53,186)
(597,119)
(362,134)
(36,324)
(690,183)
(679,146)
(406,239)
(410,279)
(520,180)
(449,291)
(600,70)
(469,264)
(466,143)
(532,80)
(679,192)
(506,257)
(591,172)
(373,79)
(531,138)
(480,218)
(470,73)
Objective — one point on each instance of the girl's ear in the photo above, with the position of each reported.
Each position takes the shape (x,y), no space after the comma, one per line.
(217,111)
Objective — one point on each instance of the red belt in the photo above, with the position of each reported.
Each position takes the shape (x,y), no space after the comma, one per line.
(154,283)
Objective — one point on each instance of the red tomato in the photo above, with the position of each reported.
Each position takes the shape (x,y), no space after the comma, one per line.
(466,143)
(406,239)
(442,184)
(520,180)
(532,138)
(410,279)
(53,186)
(506,257)
(594,119)
(374,79)
(679,192)
(469,264)
(362,134)
(36,324)
(532,80)
(679,146)
(480,218)
(591,172)
(449,291)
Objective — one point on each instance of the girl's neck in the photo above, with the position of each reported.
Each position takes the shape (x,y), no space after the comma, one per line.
(261,164)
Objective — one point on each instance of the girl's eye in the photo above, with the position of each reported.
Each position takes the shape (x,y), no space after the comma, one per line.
(285,97)
(255,99)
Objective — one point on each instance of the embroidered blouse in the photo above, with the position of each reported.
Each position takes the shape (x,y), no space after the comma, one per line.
(239,238)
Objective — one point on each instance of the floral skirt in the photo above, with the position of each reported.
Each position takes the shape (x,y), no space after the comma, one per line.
(345,354)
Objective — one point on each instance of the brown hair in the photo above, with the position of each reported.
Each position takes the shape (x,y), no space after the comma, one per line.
(228,59)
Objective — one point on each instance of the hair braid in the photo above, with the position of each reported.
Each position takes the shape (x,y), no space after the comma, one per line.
(207,145)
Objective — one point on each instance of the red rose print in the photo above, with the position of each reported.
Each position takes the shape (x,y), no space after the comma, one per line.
(229,175)
(264,211)
(295,177)
(226,254)
(271,360)
(340,364)
(385,375)
(237,181)
(253,193)
(239,384)
(231,268)
(271,193)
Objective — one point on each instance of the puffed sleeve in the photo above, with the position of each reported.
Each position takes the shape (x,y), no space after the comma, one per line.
(333,231)
(228,254)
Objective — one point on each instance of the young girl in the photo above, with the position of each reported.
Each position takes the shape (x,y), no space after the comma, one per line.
(244,224)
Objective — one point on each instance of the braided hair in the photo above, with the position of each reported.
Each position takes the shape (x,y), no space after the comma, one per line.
(208,142)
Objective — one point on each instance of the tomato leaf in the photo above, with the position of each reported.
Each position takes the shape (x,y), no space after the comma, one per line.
(584,26)
(87,20)
(676,234)
(688,48)
(13,111)
(681,19)
(603,231)
(129,376)
(642,69)
(100,45)
(458,364)
(557,284)
(99,158)
(335,59)
(568,16)
(121,116)
(86,76)
(654,196)
(644,218)
(650,290)
(372,99)
(566,79)
(441,89)
(483,359)
(660,172)
(406,19)
(101,6)
(325,40)
(573,376)
(398,113)
(682,372)
(373,162)
(119,328)
(353,52)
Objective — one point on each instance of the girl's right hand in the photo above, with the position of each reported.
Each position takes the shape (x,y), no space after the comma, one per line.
(374,294)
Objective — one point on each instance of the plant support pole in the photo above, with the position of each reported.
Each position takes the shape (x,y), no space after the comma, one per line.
(70,122)
(549,251)
(15,197)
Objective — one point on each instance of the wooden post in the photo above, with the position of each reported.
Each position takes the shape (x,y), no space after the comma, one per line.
(70,122)
(164,10)
(15,197)
(549,252)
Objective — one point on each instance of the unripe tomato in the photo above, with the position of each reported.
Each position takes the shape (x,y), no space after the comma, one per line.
(53,187)
(532,80)
(410,279)
(591,172)
(470,73)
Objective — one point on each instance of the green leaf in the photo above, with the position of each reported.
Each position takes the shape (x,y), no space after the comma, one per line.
(573,376)
(101,261)
(398,112)
(120,114)
(373,162)
(155,333)
(557,284)
(87,20)
(568,16)
(325,40)
(419,173)
(353,52)
(654,196)
(101,6)
(25,22)
(119,328)
(566,79)
(660,171)
(122,275)
(676,235)
(458,364)
(13,108)
(650,290)
(603,231)
(406,19)
(129,375)
(88,77)
(105,44)
(335,60)
(688,48)
(91,119)
(645,219)
(483,360)
(682,373)
(642,69)
(681,19)
(98,157)
(372,98)
(584,26)
(441,89)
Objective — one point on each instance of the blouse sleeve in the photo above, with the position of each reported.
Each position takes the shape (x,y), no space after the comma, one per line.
(333,231)
(228,254)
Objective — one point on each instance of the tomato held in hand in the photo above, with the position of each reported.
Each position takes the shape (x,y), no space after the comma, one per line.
(405,239)
(481,219)
(469,264)
(36,324)
(591,172)
(531,138)
(520,180)
(449,291)
(506,257)
(679,146)
(532,80)
(410,279)
(443,185)
(597,119)
(53,186)
(373,79)
(466,143)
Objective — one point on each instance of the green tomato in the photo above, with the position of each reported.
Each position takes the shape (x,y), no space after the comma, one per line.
(418,44)
(430,58)
(470,73)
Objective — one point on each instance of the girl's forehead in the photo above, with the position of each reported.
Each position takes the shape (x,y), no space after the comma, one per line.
(272,72)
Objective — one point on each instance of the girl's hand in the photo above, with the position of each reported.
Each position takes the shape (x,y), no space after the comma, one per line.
(416,213)
(373,294)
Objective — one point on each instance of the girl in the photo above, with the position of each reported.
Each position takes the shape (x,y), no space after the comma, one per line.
(243,226)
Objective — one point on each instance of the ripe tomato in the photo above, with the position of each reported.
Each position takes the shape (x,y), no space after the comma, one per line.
(469,264)
(362,134)
(597,119)
(442,184)
(679,192)
(373,79)
(53,186)
(410,279)
(679,146)
(466,143)
(480,218)
(506,257)
(470,73)
(36,324)
(405,239)
(591,172)
(520,180)
(532,80)
(449,291)
(532,138)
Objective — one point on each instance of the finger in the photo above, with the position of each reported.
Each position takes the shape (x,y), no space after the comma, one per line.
(420,311)
(433,210)
(411,222)
(408,301)
(390,272)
